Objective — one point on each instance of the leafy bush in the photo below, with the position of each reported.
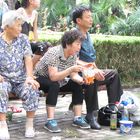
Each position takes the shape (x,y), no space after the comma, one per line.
(128,26)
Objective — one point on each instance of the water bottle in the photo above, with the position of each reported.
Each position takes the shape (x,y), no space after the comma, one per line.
(113,120)
(125,113)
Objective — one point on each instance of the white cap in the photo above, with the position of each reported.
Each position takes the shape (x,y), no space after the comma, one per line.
(10,17)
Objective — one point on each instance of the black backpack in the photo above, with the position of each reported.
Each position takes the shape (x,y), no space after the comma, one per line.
(104,114)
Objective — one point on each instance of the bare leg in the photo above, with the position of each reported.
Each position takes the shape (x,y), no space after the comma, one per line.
(77,110)
(50,112)
(4,134)
(78,120)
(29,124)
(51,124)
(2,117)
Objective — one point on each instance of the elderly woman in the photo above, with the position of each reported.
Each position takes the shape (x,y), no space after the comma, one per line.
(53,72)
(3,9)
(16,72)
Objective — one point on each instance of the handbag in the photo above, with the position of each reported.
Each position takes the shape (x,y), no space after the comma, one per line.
(105,112)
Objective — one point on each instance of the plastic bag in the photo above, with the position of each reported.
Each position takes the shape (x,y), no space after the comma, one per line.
(88,74)
(133,105)
(129,100)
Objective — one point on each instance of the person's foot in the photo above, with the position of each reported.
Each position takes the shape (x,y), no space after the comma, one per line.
(80,122)
(4,134)
(52,126)
(29,133)
(92,121)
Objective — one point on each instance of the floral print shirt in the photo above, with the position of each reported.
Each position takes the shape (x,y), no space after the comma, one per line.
(12,66)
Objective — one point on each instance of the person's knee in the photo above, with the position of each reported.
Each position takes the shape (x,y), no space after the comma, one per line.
(54,85)
(115,72)
(28,93)
(30,98)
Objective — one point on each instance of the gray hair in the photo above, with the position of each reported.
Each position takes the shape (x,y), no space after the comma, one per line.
(10,17)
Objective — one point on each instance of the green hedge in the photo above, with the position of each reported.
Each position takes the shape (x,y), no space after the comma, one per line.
(115,52)
(121,53)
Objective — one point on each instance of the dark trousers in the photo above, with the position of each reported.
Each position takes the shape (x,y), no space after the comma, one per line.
(52,89)
(91,97)
(113,85)
(114,90)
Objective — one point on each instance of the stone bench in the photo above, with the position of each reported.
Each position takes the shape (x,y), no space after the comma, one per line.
(12,96)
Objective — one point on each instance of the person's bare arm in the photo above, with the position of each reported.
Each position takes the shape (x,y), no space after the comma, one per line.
(29,66)
(35,28)
(29,72)
(77,78)
(36,59)
(55,75)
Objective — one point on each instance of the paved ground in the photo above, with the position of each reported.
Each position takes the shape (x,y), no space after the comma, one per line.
(64,117)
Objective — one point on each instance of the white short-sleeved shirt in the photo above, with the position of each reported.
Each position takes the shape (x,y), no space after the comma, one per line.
(27,18)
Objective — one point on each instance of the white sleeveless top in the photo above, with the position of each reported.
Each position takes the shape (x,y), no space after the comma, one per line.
(27,18)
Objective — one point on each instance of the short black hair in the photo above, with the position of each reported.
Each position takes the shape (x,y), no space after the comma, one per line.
(78,12)
(23,3)
(70,36)
(40,48)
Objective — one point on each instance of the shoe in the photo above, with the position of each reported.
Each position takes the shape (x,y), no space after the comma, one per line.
(91,119)
(80,122)
(29,133)
(4,134)
(52,126)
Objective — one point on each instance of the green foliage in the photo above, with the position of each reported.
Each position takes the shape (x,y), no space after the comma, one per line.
(110,15)
(134,22)
(121,53)
(57,8)
(119,27)
(128,26)
(116,52)
(104,10)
